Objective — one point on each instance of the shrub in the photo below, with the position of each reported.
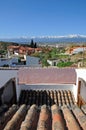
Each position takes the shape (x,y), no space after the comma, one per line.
(64,64)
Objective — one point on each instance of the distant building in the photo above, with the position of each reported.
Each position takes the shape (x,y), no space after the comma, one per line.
(75,50)
(13,49)
(8,61)
(79,49)
(33,61)
(53,62)
(38,50)
(22,50)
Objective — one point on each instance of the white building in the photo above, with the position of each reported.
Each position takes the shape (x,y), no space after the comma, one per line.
(52,62)
(79,49)
(33,61)
(8,61)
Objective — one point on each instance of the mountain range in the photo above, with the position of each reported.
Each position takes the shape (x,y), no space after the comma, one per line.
(48,39)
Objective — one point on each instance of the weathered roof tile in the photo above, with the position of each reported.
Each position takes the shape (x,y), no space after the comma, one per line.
(47,118)
(48,97)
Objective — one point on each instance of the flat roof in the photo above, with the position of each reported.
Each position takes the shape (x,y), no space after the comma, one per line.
(47,76)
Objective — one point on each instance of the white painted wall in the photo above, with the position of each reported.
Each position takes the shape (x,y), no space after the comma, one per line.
(52,62)
(7,93)
(6,75)
(83,90)
(14,60)
(81,73)
(32,61)
(4,61)
(9,61)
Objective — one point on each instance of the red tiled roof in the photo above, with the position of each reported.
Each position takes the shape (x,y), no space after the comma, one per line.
(22,48)
(29,48)
(38,49)
(48,97)
(34,116)
(44,118)
(13,47)
(47,76)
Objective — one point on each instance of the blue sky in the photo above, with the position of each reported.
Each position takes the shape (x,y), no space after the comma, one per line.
(42,17)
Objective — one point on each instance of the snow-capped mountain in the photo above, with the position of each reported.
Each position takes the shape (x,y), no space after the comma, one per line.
(49,39)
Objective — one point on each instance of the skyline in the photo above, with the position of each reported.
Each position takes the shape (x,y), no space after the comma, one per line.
(28,18)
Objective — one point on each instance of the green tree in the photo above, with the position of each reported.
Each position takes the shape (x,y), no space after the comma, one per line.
(35,45)
(44,62)
(54,53)
(32,43)
(64,64)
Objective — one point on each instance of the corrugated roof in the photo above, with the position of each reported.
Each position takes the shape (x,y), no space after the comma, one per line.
(47,76)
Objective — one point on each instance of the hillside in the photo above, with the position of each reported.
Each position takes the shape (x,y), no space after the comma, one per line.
(50,39)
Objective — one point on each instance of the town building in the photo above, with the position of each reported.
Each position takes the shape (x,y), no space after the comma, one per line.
(53,62)
(32,61)
(76,50)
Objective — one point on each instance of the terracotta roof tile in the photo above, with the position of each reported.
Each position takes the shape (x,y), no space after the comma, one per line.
(17,119)
(57,120)
(47,118)
(80,116)
(44,122)
(84,108)
(71,122)
(48,97)
(30,122)
(7,116)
